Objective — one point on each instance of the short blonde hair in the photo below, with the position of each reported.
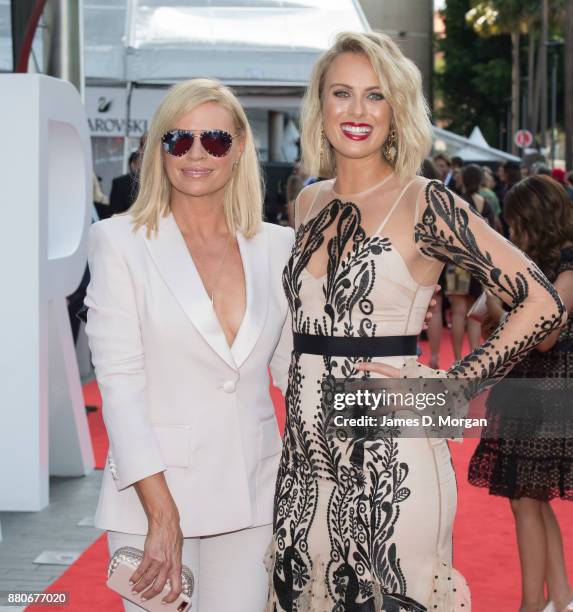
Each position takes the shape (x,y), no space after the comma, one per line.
(401,84)
(243,199)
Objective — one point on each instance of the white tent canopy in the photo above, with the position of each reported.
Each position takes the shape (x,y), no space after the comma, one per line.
(242,42)
(475,148)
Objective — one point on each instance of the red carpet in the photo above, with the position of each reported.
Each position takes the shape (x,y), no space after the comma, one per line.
(484,540)
(95,422)
(84,581)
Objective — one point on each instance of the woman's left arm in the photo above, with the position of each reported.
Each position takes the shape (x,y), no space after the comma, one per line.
(449,230)
(564,285)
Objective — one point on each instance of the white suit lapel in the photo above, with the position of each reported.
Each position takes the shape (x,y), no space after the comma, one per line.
(255,256)
(170,253)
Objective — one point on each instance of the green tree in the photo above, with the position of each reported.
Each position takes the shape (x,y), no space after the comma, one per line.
(540,21)
(568,81)
(475,82)
(512,17)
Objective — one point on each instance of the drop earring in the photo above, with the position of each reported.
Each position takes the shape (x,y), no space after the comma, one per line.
(390,147)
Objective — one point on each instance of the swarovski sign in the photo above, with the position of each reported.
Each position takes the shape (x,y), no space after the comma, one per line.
(116,127)
(106,110)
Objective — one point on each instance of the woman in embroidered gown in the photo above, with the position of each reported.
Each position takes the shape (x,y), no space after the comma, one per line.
(367,525)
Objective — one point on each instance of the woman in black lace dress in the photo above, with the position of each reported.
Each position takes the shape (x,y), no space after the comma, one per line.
(516,458)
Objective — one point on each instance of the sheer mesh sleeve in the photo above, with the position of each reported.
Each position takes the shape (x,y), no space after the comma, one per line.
(447,229)
(305,204)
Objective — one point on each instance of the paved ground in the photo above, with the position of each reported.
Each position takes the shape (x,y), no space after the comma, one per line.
(26,534)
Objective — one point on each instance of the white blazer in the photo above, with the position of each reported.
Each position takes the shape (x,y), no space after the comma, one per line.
(176,398)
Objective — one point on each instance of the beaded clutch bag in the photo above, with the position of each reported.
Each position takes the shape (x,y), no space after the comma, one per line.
(125,561)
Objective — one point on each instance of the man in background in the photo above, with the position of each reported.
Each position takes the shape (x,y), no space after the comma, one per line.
(444,167)
(124,188)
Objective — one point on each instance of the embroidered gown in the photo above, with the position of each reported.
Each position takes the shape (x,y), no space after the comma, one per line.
(366,526)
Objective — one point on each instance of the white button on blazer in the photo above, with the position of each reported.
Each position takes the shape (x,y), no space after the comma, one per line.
(176,397)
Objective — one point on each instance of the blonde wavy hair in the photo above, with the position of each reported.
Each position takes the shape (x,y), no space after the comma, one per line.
(401,84)
(243,199)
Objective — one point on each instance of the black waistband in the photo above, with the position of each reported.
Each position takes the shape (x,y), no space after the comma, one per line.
(381,346)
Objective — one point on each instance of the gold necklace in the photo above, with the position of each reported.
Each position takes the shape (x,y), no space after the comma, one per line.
(212,296)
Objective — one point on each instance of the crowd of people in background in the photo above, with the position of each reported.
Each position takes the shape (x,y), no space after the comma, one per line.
(485,189)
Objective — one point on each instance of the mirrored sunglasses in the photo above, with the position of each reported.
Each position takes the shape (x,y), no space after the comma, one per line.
(216,143)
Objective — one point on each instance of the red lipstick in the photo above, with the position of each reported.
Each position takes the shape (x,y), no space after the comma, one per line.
(356,131)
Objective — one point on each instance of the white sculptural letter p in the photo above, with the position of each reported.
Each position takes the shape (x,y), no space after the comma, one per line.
(45,187)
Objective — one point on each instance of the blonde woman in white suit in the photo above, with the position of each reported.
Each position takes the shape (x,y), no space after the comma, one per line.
(185,314)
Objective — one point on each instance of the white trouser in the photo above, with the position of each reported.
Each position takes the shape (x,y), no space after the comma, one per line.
(229,571)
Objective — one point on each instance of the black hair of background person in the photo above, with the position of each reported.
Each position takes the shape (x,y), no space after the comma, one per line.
(472,176)
(429,170)
(549,225)
(513,176)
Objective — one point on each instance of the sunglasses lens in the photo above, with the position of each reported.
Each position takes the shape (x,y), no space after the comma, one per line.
(182,144)
(216,142)
(177,143)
